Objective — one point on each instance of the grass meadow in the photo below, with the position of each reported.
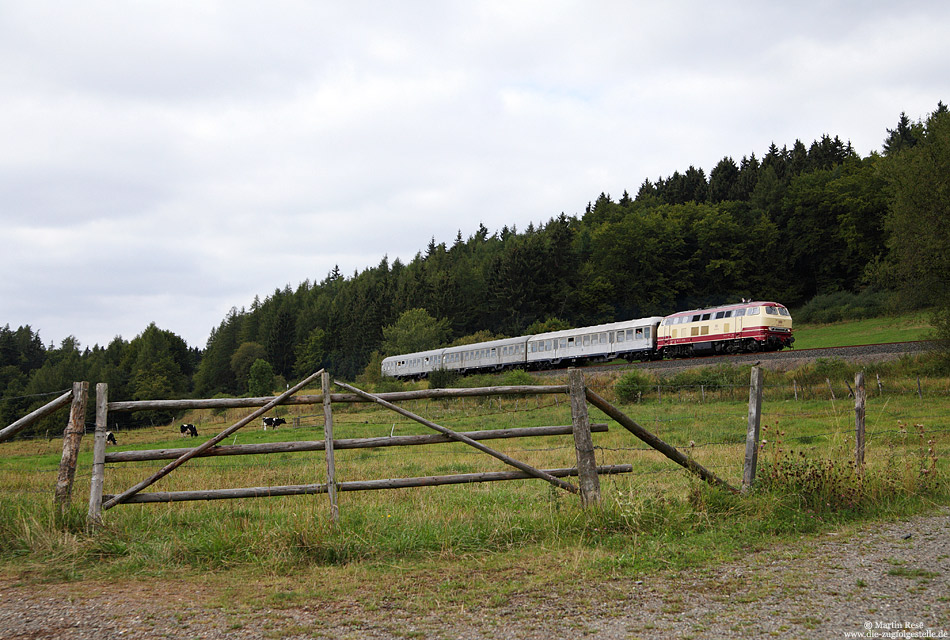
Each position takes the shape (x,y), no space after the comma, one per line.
(478,542)
(901,328)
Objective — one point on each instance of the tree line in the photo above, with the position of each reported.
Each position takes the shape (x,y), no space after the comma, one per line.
(799,222)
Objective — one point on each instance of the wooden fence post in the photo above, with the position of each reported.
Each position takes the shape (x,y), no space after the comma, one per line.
(583,443)
(94,517)
(830,389)
(72,436)
(328,439)
(752,435)
(859,398)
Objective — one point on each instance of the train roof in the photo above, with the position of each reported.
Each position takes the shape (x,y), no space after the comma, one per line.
(488,344)
(725,307)
(417,354)
(610,326)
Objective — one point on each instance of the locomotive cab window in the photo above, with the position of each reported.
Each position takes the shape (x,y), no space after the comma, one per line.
(771,311)
(740,312)
(753,311)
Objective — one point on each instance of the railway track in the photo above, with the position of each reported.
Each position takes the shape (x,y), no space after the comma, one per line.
(773,359)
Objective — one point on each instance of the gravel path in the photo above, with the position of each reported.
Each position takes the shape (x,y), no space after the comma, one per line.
(884,581)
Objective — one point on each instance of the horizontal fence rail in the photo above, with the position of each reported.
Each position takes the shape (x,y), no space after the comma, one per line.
(344,443)
(359,485)
(394,396)
(27,420)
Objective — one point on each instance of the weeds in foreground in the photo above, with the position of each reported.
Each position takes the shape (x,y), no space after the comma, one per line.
(837,483)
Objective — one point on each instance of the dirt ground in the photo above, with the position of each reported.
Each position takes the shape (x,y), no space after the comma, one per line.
(883,581)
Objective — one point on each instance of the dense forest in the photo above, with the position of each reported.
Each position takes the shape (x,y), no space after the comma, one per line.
(798,222)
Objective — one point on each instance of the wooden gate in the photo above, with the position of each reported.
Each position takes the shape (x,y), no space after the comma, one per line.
(588,487)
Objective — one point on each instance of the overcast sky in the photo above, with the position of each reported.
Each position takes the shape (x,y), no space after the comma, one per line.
(163,161)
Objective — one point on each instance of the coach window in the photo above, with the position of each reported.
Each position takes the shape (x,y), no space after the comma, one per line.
(640,333)
(646,332)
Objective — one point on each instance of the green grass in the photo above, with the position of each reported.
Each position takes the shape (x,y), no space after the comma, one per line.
(903,328)
(467,544)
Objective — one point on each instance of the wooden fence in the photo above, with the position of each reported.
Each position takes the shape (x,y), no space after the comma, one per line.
(587,472)
(588,487)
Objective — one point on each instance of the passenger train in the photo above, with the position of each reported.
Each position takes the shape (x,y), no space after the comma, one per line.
(737,328)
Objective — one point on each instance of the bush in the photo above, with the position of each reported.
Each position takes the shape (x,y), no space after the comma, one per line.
(843,305)
(518,378)
(632,385)
(442,378)
(711,377)
(825,368)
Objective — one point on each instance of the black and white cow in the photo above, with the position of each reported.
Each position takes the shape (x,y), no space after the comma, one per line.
(189,430)
(110,438)
(273,422)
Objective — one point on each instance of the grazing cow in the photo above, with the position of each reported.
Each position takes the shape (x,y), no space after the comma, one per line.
(189,430)
(273,422)
(110,438)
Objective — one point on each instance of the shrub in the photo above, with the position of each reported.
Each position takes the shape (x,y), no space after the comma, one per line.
(518,378)
(825,368)
(843,305)
(442,378)
(632,385)
(711,377)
